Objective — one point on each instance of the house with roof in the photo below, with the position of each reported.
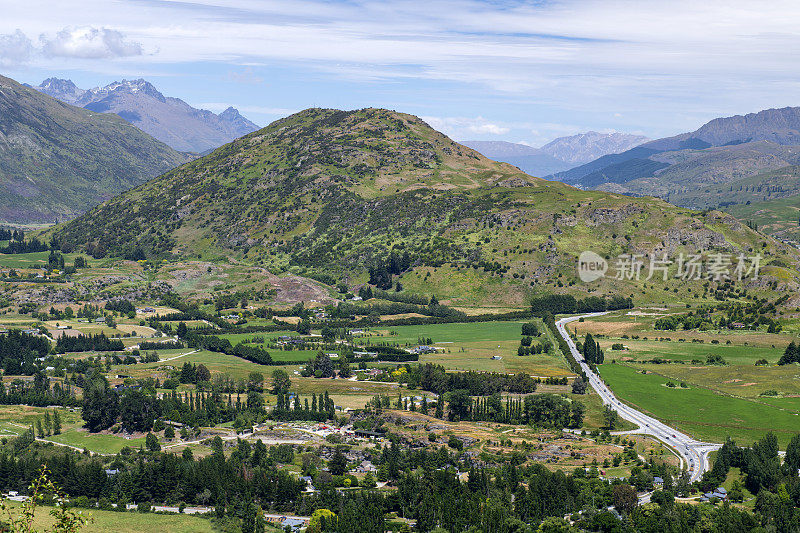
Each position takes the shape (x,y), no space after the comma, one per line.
(296,524)
(719,493)
(366,466)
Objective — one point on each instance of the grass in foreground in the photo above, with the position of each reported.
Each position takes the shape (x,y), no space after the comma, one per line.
(114,522)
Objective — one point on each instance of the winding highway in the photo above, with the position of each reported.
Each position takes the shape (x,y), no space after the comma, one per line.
(692,453)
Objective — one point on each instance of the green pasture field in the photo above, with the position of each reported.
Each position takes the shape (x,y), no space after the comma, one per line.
(471,346)
(236,338)
(15,419)
(735,354)
(101,443)
(30,260)
(234,366)
(702,413)
(289,356)
(746,381)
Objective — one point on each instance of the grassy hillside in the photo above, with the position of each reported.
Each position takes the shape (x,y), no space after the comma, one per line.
(780,218)
(57,161)
(333,193)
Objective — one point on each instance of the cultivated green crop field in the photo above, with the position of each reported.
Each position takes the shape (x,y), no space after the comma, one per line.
(701,412)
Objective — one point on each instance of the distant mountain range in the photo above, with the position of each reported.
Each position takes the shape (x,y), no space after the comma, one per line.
(558,155)
(727,161)
(585,147)
(170,120)
(57,160)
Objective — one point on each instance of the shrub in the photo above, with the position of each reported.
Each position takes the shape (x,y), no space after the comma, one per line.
(455,443)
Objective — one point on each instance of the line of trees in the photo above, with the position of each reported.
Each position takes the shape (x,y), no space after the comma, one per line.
(566,304)
(434,378)
(289,408)
(542,410)
(24,247)
(88,343)
(19,351)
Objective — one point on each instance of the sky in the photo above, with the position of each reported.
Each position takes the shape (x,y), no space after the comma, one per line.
(520,71)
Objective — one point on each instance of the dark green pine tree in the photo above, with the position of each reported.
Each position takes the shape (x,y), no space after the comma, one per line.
(790,355)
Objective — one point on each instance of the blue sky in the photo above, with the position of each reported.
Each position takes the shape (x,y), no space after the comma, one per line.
(517,71)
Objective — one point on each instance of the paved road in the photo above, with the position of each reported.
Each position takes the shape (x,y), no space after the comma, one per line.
(692,453)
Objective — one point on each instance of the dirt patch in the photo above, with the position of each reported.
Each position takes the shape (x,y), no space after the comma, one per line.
(294,289)
(56,333)
(401,315)
(142,331)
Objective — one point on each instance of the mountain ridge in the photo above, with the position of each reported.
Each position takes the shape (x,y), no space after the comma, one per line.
(168,119)
(685,168)
(57,160)
(585,147)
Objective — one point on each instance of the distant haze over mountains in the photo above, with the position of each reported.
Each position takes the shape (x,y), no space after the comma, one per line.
(558,155)
(585,147)
(170,120)
(529,159)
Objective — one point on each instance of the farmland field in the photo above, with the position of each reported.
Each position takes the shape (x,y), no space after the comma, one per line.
(736,354)
(471,346)
(236,367)
(701,412)
(15,419)
(30,260)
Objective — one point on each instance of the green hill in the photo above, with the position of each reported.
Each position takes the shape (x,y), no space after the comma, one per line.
(332,194)
(57,161)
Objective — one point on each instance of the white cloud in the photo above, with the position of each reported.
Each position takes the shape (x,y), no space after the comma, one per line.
(461,127)
(15,49)
(492,129)
(86,42)
(669,65)
(246,76)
